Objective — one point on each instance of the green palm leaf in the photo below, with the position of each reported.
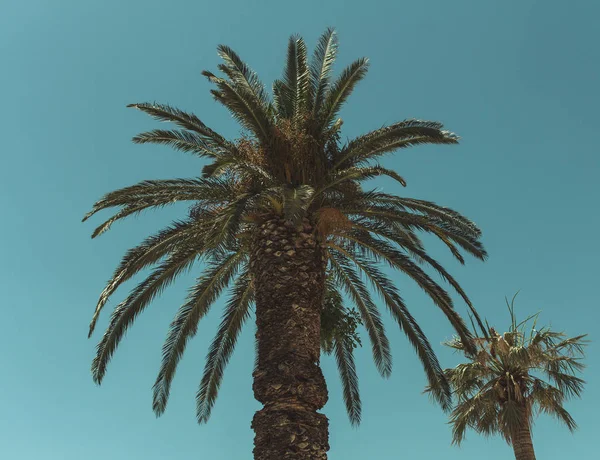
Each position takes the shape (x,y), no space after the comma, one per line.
(191,122)
(126,312)
(340,90)
(236,313)
(390,138)
(358,292)
(321,67)
(207,289)
(344,357)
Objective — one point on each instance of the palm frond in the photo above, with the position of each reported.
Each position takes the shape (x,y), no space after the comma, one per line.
(286,90)
(164,112)
(357,175)
(445,214)
(185,324)
(427,208)
(321,67)
(244,107)
(304,97)
(124,212)
(139,206)
(439,387)
(389,138)
(359,294)
(239,72)
(572,346)
(227,223)
(417,250)
(236,313)
(150,251)
(340,90)
(569,385)
(550,401)
(127,311)
(184,141)
(283,100)
(162,192)
(439,228)
(380,250)
(344,357)
(238,167)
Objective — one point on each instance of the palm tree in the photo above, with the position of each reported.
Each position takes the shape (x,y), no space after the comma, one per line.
(279,217)
(512,378)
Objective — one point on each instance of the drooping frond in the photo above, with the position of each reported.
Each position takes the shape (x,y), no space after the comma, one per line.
(150,251)
(550,400)
(445,214)
(390,214)
(344,357)
(349,279)
(418,251)
(321,67)
(440,389)
(480,411)
(380,250)
(428,208)
(236,313)
(123,213)
(339,337)
(226,223)
(126,312)
(201,297)
(163,192)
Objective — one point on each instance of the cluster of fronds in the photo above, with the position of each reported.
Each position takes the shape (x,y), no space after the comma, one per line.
(292,164)
(515,376)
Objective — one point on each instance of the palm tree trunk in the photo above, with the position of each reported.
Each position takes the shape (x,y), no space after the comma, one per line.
(289,281)
(522,444)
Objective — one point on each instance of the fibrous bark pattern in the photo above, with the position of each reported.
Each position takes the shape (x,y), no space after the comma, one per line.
(289,277)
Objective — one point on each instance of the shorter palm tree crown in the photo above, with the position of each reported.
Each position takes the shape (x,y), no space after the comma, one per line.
(513,377)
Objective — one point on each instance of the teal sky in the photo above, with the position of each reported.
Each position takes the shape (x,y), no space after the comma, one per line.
(517,79)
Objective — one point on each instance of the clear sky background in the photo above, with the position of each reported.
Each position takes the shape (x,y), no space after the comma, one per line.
(518,80)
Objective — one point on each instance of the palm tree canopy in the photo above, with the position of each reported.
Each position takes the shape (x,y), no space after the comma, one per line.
(290,163)
(514,377)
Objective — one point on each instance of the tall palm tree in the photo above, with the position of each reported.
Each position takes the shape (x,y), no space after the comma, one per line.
(280,216)
(512,378)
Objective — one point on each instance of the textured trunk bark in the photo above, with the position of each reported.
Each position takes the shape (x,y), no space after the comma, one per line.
(522,444)
(289,279)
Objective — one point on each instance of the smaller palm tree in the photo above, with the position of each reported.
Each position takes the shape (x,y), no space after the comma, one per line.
(512,378)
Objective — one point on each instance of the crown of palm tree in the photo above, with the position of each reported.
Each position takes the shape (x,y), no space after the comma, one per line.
(290,165)
(514,377)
